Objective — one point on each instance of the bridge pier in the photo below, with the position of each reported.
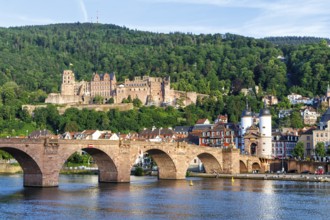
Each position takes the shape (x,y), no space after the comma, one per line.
(231,161)
(164,175)
(40,180)
(114,177)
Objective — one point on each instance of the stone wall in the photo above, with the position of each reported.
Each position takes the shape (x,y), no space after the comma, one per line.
(311,166)
(64,99)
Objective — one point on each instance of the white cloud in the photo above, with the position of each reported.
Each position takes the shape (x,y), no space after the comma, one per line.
(83,10)
(272,18)
(305,18)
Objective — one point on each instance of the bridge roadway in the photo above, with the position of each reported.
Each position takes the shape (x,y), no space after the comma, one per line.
(42,159)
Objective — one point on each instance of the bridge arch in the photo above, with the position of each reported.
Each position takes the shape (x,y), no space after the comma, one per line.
(256,166)
(107,168)
(209,161)
(243,168)
(166,166)
(32,174)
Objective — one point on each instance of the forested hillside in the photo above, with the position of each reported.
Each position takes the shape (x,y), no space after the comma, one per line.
(291,40)
(33,58)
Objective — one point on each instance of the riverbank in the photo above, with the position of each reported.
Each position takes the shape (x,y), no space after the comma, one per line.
(284,177)
(6,168)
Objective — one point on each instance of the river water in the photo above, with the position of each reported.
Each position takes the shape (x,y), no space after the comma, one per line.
(82,197)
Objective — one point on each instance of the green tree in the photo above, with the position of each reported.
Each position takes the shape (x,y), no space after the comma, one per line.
(111,101)
(4,155)
(71,126)
(296,120)
(320,149)
(137,102)
(98,99)
(298,150)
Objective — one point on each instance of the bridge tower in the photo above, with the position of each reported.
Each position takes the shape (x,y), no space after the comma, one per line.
(265,128)
(246,122)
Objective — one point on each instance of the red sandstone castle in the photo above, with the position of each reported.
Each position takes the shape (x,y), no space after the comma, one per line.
(150,90)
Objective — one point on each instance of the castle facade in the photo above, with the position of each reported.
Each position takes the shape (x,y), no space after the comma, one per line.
(150,90)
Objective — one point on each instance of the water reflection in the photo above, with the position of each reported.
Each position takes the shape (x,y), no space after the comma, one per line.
(82,197)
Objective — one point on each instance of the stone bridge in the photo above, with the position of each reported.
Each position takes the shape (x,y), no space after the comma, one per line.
(42,159)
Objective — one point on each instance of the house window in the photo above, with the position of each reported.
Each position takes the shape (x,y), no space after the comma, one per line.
(308,138)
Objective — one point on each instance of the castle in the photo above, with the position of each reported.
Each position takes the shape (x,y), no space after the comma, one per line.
(149,90)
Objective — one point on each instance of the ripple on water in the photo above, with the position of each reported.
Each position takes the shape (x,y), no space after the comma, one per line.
(82,197)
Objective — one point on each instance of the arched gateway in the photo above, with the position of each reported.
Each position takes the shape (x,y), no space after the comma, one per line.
(42,159)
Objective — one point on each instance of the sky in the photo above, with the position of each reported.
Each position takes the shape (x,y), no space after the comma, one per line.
(253,18)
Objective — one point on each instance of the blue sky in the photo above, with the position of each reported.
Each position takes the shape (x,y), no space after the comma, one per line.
(255,18)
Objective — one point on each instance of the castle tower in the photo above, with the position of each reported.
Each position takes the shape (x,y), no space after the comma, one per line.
(265,129)
(246,122)
(68,83)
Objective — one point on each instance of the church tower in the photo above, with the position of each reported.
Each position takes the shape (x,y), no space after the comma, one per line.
(265,129)
(68,83)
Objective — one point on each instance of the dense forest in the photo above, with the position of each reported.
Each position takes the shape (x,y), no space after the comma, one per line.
(291,40)
(32,59)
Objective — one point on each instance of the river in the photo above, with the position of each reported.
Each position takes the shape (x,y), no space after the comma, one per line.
(82,197)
